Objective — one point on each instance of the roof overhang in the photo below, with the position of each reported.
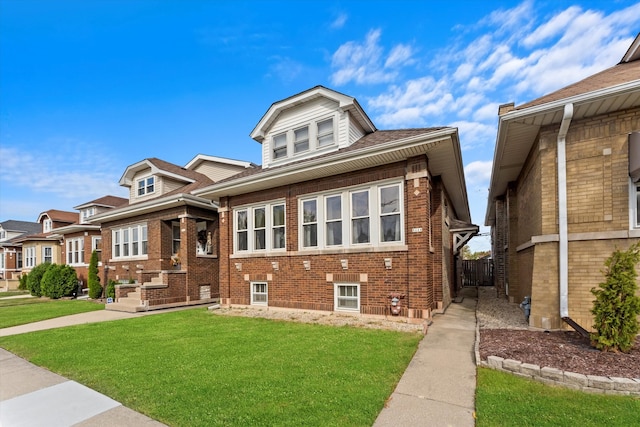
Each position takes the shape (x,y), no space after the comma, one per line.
(131,171)
(205,158)
(518,130)
(73,228)
(442,147)
(151,206)
(345,103)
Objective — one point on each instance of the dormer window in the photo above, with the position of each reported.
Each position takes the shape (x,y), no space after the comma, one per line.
(280,146)
(301,139)
(87,213)
(325,133)
(146,186)
(47,225)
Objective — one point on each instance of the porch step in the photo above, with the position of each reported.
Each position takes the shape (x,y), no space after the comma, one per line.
(128,308)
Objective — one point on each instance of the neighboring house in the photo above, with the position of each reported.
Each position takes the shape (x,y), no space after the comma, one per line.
(565,192)
(11,251)
(81,238)
(163,246)
(45,246)
(342,216)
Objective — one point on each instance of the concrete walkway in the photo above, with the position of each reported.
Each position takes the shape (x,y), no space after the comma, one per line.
(438,387)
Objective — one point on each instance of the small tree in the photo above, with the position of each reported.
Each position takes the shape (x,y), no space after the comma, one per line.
(59,281)
(23,282)
(35,277)
(95,290)
(616,307)
(111,289)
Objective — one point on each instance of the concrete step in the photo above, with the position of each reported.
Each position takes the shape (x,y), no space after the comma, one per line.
(117,306)
(134,295)
(130,301)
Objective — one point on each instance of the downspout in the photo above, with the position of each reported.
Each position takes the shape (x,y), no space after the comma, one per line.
(563,259)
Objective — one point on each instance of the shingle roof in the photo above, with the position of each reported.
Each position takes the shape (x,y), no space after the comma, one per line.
(62,216)
(374,138)
(616,75)
(108,201)
(175,169)
(21,226)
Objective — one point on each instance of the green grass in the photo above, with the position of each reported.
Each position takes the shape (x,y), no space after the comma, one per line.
(20,311)
(504,399)
(195,368)
(13,293)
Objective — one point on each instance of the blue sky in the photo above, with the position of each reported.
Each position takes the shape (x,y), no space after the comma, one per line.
(88,88)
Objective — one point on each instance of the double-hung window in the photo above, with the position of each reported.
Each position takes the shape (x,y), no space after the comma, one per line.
(280,146)
(146,186)
(47,254)
(30,257)
(301,140)
(130,241)
(353,217)
(75,251)
(175,238)
(260,228)
(325,133)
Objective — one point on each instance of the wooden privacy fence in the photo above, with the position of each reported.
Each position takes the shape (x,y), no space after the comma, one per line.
(477,272)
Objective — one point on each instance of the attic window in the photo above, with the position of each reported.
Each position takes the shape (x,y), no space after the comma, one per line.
(146,186)
(301,141)
(280,146)
(325,133)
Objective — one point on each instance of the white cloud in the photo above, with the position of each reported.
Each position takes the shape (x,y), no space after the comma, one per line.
(285,68)
(339,22)
(475,134)
(364,63)
(552,28)
(478,171)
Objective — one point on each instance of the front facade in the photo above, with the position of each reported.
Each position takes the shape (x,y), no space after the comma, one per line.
(162,247)
(341,216)
(11,251)
(81,238)
(46,246)
(564,192)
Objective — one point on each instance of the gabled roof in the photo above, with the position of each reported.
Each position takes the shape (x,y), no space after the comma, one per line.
(614,89)
(179,197)
(25,227)
(60,216)
(161,168)
(346,103)
(440,144)
(105,202)
(205,158)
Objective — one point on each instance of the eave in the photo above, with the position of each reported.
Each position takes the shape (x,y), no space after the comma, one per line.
(442,148)
(152,206)
(518,130)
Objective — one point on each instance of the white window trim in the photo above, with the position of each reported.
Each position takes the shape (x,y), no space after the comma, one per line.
(634,194)
(253,293)
(269,228)
(44,252)
(69,249)
(30,257)
(145,186)
(314,145)
(130,242)
(47,225)
(336,307)
(375,237)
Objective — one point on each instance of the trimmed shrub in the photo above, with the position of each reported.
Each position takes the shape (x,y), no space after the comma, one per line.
(23,282)
(111,289)
(35,277)
(95,290)
(616,307)
(59,281)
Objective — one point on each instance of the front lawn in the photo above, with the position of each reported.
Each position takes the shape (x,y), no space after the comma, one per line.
(14,312)
(193,368)
(504,399)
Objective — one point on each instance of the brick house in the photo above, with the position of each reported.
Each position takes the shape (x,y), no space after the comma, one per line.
(162,246)
(564,191)
(81,238)
(11,250)
(45,246)
(342,216)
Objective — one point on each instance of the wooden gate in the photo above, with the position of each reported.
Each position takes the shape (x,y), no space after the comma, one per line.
(477,272)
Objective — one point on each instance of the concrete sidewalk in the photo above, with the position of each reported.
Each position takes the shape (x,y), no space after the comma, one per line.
(438,387)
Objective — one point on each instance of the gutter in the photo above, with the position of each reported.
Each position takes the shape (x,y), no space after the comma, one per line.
(563,255)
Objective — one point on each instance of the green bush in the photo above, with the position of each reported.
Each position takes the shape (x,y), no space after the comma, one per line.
(95,290)
(111,289)
(23,282)
(59,281)
(35,277)
(616,307)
